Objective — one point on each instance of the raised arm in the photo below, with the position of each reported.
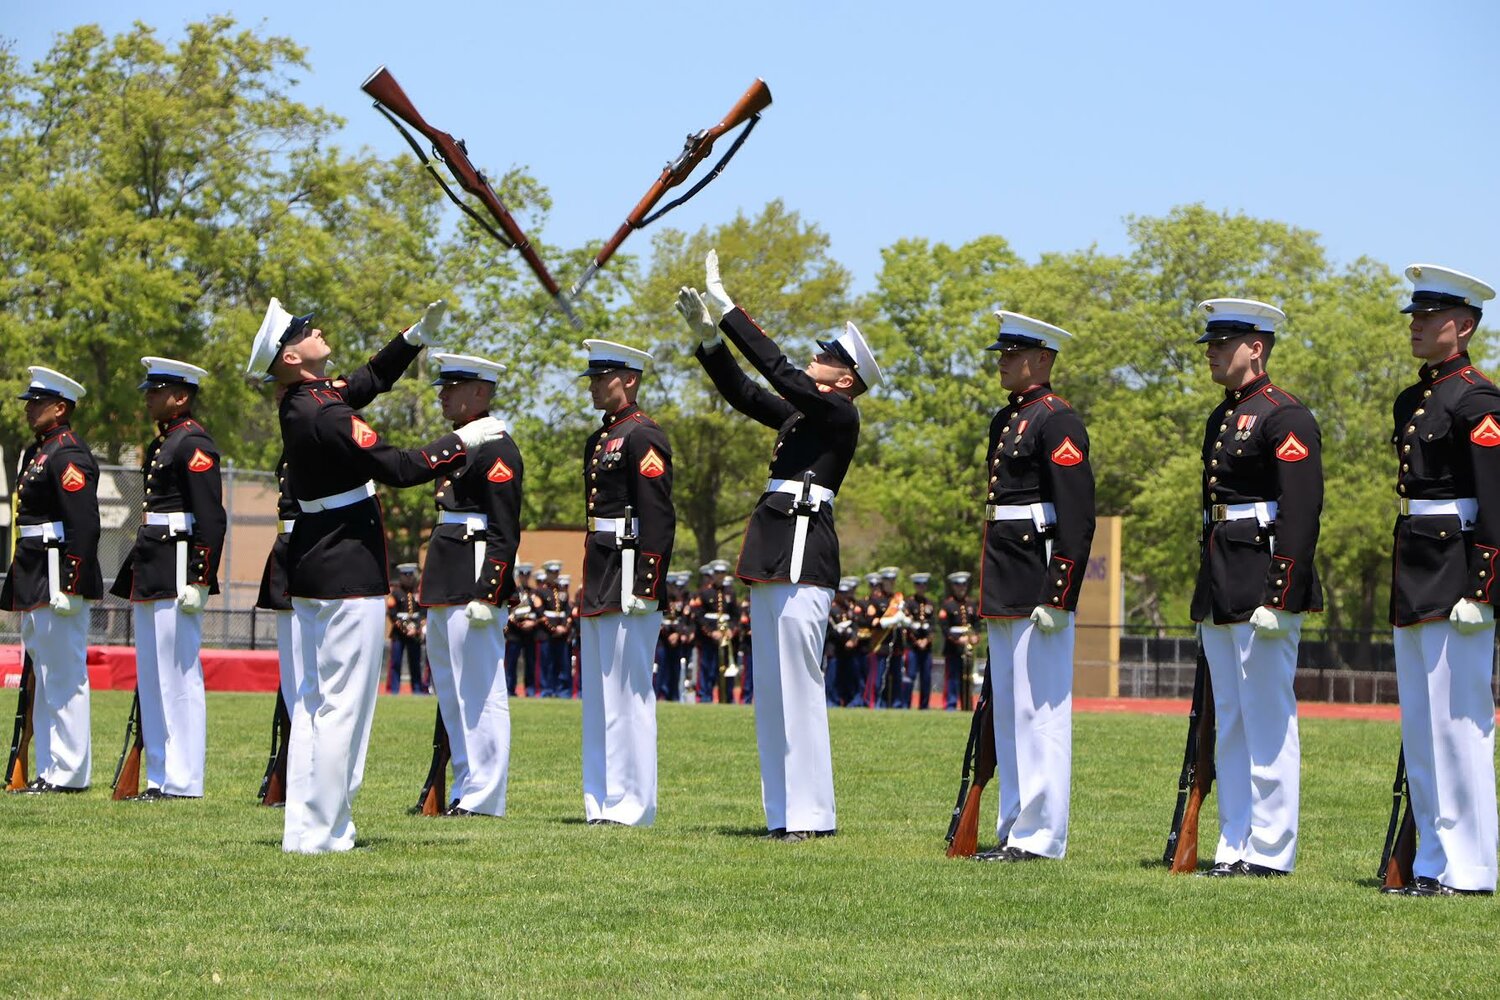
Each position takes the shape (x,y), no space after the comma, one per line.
(739,390)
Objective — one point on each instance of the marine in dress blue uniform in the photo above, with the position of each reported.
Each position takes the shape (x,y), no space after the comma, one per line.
(1446,553)
(958,617)
(1039,522)
(54,578)
(168,576)
(1262,496)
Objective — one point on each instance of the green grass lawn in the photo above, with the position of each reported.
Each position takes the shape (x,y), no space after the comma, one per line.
(106,899)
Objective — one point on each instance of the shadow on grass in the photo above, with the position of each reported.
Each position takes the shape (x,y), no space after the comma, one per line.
(735,831)
(1161,865)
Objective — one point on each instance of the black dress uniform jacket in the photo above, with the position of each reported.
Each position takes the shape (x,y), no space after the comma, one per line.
(956,613)
(1447,439)
(371,379)
(489,483)
(816,431)
(182,475)
(1039,453)
(1260,444)
(708,604)
(329,449)
(59,482)
(627,463)
(922,612)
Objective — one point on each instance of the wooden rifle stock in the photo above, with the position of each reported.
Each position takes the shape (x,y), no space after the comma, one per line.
(391,100)
(273,783)
(431,801)
(20,741)
(963,828)
(128,771)
(1197,774)
(697,148)
(1400,836)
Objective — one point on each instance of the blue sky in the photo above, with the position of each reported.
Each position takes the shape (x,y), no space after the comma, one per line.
(1373,123)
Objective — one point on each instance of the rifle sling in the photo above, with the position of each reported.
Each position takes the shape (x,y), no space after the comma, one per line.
(718,169)
(427,162)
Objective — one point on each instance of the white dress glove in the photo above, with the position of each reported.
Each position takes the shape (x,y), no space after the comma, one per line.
(1470,616)
(66,605)
(895,620)
(718,299)
(481,431)
(422,332)
(480,614)
(636,606)
(1270,622)
(193,599)
(693,309)
(1049,619)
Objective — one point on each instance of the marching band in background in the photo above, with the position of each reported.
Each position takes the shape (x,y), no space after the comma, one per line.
(635,632)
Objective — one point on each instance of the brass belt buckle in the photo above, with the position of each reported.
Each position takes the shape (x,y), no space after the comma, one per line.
(1405,507)
(1219,512)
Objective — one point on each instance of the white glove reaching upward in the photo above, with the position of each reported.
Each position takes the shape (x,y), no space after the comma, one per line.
(636,606)
(1049,619)
(1470,616)
(695,311)
(718,299)
(1269,621)
(66,605)
(480,614)
(481,431)
(422,332)
(193,599)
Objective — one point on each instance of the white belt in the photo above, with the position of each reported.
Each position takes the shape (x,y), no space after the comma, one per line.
(614,525)
(1466,509)
(286,525)
(52,531)
(179,521)
(474,522)
(1263,511)
(819,495)
(1042,515)
(344,499)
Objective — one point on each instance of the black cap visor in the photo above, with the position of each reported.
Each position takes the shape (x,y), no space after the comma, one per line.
(1430,302)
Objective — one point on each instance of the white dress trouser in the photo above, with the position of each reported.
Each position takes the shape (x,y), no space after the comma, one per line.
(341,647)
(1448,732)
(287,657)
(790,622)
(619,717)
(1257,752)
(59,649)
(174,713)
(468,670)
(1031,675)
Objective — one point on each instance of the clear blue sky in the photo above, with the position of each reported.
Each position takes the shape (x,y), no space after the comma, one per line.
(1373,123)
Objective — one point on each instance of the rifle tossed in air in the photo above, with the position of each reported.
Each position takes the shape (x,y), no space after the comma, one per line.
(695,150)
(1197,775)
(963,828)
(20,740)
(127,781)
(392,102)
(430,801)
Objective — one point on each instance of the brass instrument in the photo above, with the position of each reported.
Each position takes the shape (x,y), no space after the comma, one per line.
(728,668)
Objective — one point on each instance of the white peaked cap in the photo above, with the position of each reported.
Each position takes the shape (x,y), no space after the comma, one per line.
(275,329)
(49,384)
(1018,332)
(1435,288)
(608,356)
(1237,317)
(165,371)
(852,344)
(465,368)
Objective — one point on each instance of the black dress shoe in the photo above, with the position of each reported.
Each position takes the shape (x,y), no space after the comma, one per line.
(1009,854)
(775,834)
(456,810)
(1424,885)
(799,836)
(1261,871)
(1226,869)
(605,822)
(157,795)
(41,787)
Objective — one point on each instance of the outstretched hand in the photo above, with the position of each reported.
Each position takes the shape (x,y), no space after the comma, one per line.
(718,298)
(695,311)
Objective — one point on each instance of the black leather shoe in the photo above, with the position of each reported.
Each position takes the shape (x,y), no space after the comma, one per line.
(1008,854)
(156,795)
(800,836)
(1261,871)
(605,822)
(775,834)
(1424,885)
(41,787)
(456,810)
(1226,869)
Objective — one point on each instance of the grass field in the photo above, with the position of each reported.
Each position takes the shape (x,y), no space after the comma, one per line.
(186,898)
